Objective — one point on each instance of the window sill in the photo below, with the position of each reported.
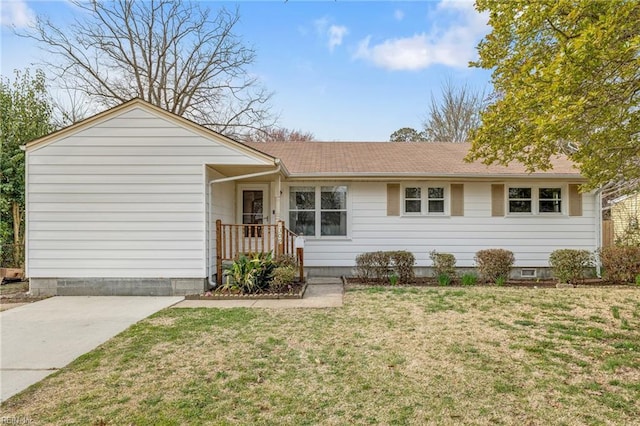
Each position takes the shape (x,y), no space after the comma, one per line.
(556,215)
(430,215)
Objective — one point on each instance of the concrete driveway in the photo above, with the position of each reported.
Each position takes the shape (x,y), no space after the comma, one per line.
(39,338)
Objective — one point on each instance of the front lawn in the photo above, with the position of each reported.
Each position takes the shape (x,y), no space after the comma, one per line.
(482,355)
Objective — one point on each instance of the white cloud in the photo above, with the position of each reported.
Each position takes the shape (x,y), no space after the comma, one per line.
(452,44)
(336,34)
(333,33)
(398,15)
(16,14)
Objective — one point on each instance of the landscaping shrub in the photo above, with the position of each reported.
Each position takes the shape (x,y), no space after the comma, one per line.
(494,263)
(252,273)
(568,265)
(283,277)
(443,264)
(403,262)
(444,279)
(469,279)
(621,264)
(286,260)
(377,265)
(373,265)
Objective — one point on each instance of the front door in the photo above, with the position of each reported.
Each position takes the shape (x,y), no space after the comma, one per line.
(254,208)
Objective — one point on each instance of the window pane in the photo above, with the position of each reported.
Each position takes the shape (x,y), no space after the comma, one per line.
(333,223)
(303,223)
(436,192)
(519,192)
(436,206)
(333,198)
(519,206)
(550,206)
(412,206)
(412,193)
(550,193)
(302,198)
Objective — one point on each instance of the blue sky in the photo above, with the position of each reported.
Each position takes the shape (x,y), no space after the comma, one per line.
(342,70)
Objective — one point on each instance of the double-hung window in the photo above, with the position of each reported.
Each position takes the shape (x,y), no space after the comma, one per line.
(424,200)
(318,211)
(531,200)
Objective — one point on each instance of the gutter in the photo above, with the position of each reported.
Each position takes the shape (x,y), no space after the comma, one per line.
(448,176)
(229,179)
(598,231)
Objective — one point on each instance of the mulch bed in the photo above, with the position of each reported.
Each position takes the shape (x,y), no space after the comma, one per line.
(525,283)
(296,292)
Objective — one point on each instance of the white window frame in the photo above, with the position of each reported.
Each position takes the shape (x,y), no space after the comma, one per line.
(424,199)
(318,209)
(535,199)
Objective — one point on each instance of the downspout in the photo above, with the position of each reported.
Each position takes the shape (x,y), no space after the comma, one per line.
(229,179)
(598,232)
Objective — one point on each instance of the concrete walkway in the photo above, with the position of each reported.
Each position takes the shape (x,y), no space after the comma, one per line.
(39,338)
(321,293)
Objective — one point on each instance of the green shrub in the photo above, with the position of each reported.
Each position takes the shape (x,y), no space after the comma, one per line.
(376,266)
(443,263)
(469,279)
(494,263)
(252,273)
(444,279)
(393,279)
(638,279)
(568,265)
(621,264)
(283,277)
(501,281)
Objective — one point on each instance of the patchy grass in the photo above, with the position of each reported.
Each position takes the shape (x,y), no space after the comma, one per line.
(389,356)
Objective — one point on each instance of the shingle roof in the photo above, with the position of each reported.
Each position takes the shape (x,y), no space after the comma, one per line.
(394,158)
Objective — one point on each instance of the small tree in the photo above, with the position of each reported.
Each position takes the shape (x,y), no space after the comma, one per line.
(25,108)
(407,134)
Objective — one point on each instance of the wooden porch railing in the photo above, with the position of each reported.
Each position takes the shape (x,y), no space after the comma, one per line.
(234,239)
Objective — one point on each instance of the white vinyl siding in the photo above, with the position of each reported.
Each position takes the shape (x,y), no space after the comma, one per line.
(532,238)
(126,197)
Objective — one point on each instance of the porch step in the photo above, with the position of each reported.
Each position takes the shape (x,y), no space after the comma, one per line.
(324,281)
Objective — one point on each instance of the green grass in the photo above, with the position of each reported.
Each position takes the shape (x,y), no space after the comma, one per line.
(390,356)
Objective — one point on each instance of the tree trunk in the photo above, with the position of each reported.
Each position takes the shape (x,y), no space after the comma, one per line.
(17,234)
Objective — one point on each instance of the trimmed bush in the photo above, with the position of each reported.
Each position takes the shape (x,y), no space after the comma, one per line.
(621,264)
(568,265)
(378,265)
(283,277)
(494,263)
(403,262)
(443,264)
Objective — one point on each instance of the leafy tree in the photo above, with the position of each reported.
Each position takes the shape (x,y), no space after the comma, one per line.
(173,54)
(26,112)
(567,75)
(280,134)
(455,115)
(407,134)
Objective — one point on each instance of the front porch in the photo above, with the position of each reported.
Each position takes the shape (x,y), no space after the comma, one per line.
(235,239)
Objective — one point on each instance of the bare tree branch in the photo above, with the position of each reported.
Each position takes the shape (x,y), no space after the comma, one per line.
(173,54)
(455,116)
